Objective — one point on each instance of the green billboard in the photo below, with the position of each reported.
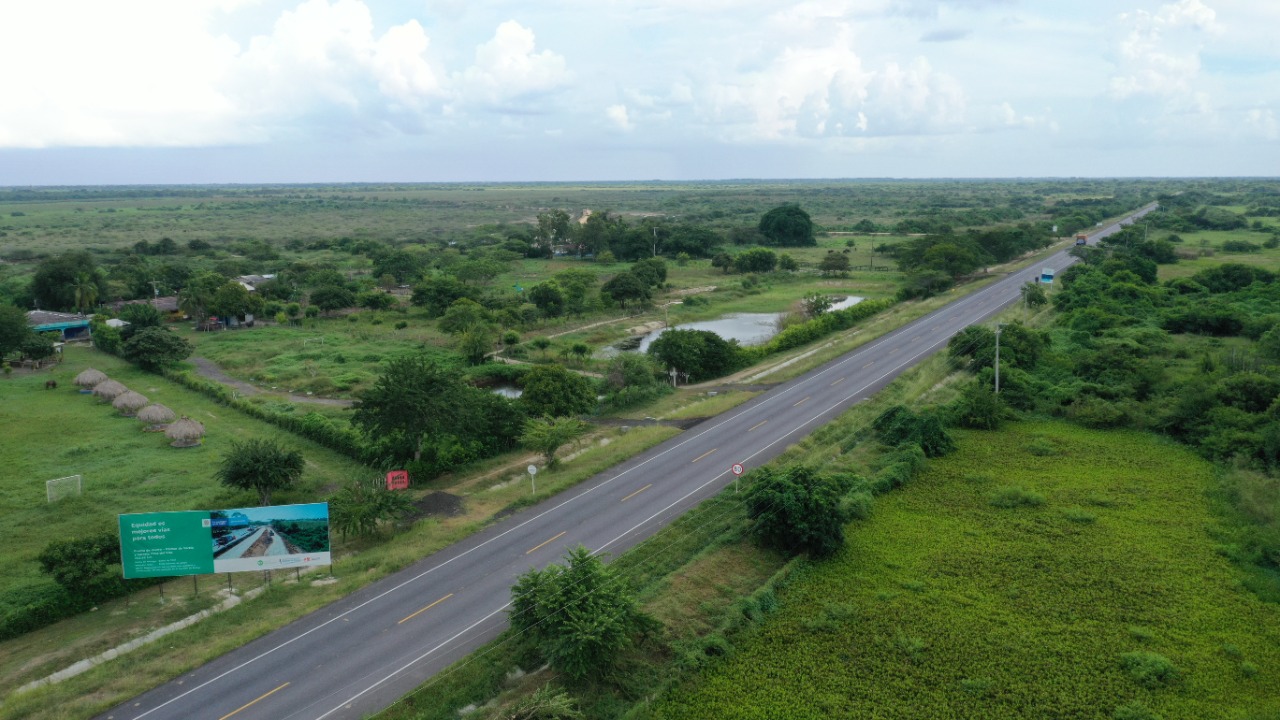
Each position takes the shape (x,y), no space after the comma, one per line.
(197,542)
(164,544)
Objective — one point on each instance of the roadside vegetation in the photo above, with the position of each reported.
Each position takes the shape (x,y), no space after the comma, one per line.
(385,321)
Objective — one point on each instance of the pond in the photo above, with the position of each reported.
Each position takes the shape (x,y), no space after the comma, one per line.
(747,328)
(508,391)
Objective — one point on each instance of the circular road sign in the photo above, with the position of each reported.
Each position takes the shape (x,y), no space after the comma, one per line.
(736,469)
(533,469)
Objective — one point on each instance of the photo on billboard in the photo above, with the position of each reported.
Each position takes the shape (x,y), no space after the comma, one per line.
(268,538)
(195,542)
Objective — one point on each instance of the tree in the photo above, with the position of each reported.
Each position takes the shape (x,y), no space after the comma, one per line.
(85,288)
(88,567)
(437,293)
(541,344)
(624,287)
(423,412)
(787,263)
(13,329)
(463,315)
(579,616)
(723,261)
(140,316)
(156,347)
(979,407)
(1033,295)
(816,304)
(553,227)
(233,300)
(363,505)
(555,391)
(798,509)
(548,297)
(651,271)
(547,434)
(577,286)
(476,342)
(55,282)
(788,226)
(38,346)
(756,260)
(198,293)
(262,466)
(834,263)
(332,297)
(700,354)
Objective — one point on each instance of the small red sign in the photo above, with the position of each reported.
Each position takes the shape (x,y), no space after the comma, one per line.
(736,469)
(398,480)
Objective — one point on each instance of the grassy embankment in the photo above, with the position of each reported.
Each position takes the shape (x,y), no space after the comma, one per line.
(947,603)
(57,433)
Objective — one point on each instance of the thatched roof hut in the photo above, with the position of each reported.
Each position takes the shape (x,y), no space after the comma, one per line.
(185,432)
(130,403)
(90,378)
(109,390)
(157,417)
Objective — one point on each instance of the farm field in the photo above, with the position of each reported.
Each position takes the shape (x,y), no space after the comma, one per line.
(945,605)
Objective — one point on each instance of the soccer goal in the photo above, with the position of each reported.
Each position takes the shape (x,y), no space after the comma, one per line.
(59,488)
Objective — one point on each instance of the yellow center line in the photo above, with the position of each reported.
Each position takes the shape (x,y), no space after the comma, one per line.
(753,427)
(893,351)
(446,597)
(802,402)
(873,362)
(705,454)
(646,487)
(253,702)
(915,338)
(526,552)
(838,381)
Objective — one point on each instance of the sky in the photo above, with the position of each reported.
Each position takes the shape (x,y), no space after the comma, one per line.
(287,91)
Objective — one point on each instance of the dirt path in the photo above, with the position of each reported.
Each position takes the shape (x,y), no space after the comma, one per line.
(209,370)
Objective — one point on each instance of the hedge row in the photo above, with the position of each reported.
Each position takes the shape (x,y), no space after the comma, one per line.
(815,329)
(312,426)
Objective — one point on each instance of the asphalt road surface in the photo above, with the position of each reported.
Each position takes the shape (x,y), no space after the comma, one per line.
(362,653)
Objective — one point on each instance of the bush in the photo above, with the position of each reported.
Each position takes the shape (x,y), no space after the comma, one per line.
(1015,497)
(1148,669)
(797,509)
(1134,711)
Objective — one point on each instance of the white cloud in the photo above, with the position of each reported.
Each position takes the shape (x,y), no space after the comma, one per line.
(1262,123)
(1160,56)
(154,73)
(617,114)
(507,67)
(827,90)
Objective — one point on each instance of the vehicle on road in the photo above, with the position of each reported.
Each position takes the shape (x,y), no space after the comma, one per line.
(1082,239)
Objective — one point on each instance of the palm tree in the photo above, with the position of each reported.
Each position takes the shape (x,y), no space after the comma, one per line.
(86,290)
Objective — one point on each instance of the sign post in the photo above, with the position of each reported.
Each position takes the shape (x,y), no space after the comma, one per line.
(736,469)
(533,479)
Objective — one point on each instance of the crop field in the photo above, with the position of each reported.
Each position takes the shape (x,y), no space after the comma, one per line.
(1043,571)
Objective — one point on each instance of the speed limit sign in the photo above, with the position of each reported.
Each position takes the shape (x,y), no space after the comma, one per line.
(736,469)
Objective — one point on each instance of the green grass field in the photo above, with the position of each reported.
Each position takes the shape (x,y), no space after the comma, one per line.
(944,605)
(55,433)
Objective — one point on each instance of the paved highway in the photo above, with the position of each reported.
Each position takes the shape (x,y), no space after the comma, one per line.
(363,652)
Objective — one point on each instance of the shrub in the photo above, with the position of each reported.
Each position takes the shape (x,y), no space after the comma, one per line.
(1148,669)
(1015,497)
(1134,711)
(401,324)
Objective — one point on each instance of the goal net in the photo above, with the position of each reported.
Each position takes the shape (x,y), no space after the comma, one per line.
(60,488)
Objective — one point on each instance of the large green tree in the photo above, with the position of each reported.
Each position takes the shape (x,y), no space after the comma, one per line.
(156,347)
(579,616)
(555,391)
(13,329)
(63,282)
(798,509)
(625,287)
(788,226)
(700,354)
(262,466)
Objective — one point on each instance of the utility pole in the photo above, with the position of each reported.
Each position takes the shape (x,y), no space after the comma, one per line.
(998,326)
(655,241)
